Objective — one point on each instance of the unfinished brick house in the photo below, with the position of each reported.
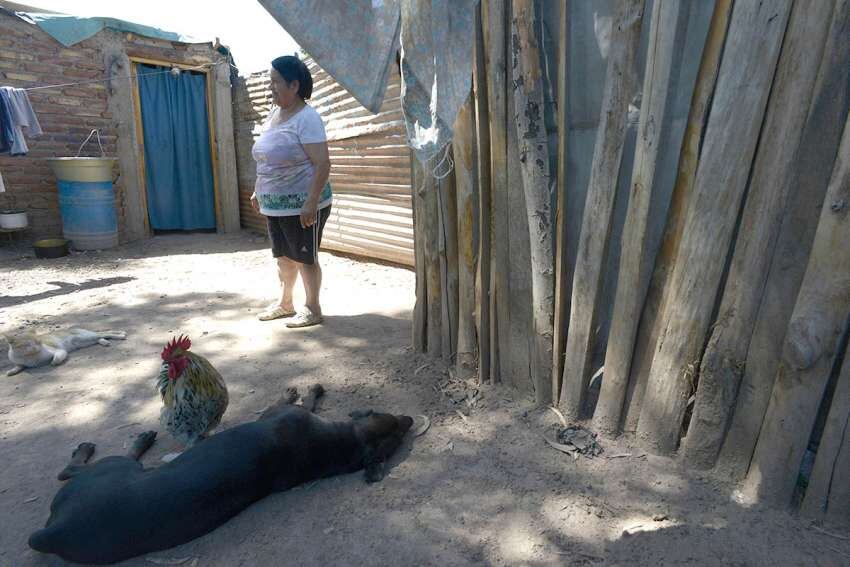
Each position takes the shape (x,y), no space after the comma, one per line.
(30,58)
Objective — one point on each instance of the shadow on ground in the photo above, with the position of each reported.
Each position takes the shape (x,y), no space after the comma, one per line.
(477,489)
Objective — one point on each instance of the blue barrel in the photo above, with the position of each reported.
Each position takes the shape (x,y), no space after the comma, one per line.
(87,201)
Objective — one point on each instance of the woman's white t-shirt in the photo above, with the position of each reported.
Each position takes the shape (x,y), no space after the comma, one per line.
(284,171)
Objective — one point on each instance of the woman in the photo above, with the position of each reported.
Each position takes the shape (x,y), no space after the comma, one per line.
(292,189)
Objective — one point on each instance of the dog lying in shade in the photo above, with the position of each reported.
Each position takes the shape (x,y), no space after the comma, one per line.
(115,509)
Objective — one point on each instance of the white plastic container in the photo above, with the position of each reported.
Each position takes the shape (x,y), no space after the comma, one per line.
(13,219)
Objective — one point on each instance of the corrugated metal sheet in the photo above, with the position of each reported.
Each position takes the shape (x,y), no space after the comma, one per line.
(370,167)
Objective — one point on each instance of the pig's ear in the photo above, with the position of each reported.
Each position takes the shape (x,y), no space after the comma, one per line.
(359,414)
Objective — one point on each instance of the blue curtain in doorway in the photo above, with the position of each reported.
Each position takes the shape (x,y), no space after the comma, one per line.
(178,164)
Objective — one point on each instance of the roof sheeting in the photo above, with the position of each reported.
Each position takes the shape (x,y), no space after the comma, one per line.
(70,30)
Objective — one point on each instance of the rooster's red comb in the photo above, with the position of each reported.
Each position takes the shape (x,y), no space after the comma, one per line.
(182,342)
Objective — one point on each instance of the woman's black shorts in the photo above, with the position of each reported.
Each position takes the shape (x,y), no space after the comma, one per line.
(296,243)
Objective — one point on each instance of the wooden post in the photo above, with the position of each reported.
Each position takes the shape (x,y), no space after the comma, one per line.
(648,328)
(601,192)
(750,55)
(420,308)
(517,368)
(562,283)
(494,17)
(666,28)
(428,191)
(724,359)
(810,346)
(812,168)
(464,155)
(828,493)
(447,201)
(534,166)
(482,138)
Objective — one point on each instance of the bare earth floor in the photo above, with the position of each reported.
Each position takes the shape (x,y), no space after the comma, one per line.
(479,490)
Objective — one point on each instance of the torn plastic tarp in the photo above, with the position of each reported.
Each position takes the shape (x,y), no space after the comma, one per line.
(70,30)
(436,69)
(356,43)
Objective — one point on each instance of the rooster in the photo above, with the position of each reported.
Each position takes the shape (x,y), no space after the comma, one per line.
(194,395)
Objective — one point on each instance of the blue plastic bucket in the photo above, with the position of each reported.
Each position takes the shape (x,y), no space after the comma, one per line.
(87,201)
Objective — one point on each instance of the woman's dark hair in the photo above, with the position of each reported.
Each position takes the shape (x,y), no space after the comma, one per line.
(293,69)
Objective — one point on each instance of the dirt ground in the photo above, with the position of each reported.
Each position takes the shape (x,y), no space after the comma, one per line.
(477,489)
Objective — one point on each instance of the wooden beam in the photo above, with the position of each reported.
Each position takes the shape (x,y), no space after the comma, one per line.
(723,363)
(447,234)
(464,157)
(649,326)
(531,138)
(219,219)
(494,18)
(420,308)
(562,282)
(140,141)
(811,342)
(224,150)
(666,28)
(482,138)
(517,369)
(814,163)
(599,206)
(828,492)
(750,55)
(433,286)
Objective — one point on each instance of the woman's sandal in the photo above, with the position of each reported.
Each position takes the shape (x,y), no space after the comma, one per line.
(276,312)
(304,318)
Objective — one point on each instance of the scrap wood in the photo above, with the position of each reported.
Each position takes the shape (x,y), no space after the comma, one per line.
(838,551)
(172,560)
(559,414)
(830,534)
(622,455)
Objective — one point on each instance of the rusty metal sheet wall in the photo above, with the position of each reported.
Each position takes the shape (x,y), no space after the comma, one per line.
(370,166)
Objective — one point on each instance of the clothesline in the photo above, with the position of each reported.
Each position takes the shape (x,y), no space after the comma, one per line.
(128,77)
(17,115)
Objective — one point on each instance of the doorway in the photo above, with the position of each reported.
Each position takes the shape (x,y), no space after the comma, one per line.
(179,178)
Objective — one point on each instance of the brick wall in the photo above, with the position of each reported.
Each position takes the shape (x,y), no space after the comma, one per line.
(30,57)
(251,104)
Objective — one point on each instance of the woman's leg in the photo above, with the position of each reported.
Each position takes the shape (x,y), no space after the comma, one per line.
(287,271)
(311,276)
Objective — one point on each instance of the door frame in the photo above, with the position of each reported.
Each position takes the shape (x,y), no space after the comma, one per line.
(140,137)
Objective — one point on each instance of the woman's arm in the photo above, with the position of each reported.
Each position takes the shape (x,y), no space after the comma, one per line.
(255,204)
(318,154)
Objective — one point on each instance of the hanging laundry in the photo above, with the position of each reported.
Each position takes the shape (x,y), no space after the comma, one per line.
(6,130)
(22,116)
